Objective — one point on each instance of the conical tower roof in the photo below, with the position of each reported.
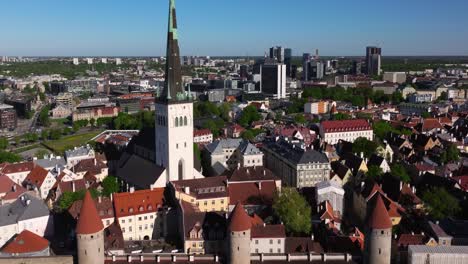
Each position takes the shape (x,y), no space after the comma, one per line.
(89,221)
(240,220)
(379,218)
(173,87)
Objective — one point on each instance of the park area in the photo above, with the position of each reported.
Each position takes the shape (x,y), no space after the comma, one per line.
(59,146)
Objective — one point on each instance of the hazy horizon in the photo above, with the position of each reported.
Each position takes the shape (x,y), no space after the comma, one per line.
(121,28)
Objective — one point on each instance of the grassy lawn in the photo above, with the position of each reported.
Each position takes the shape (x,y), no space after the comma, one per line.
(26,148)
(68,142)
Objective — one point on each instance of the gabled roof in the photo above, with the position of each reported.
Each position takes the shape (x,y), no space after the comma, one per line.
(239,219)
(259,173)
(345,125)
(379,218)
(26,207)
(37,176)
(268,231)
(252,193)
(25,242)
(89,221)
(204,188)
(138,202)
(9,168)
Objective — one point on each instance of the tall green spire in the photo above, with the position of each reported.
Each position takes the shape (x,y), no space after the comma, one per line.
(173,81)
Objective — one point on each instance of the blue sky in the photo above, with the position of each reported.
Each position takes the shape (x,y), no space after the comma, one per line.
(232,27)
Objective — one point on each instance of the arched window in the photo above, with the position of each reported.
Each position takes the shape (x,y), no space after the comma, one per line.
(185,120)
(181,122)
(176,122)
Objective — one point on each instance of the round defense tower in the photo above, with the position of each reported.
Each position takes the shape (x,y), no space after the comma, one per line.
(89,234)
(239,236)
(379,234)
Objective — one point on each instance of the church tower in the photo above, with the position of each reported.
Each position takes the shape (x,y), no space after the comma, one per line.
(89,233)
(379,234)
(239,236)
(174,114)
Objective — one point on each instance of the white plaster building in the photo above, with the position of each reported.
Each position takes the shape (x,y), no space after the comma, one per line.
(139,214)
(348,130)
(27,212)
(75,155)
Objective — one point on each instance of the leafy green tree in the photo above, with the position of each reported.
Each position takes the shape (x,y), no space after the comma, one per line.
(293,210)
(341,116)
(443,96)
(68,198)
(374,172)
(44,134)
(381,128)
(3,143)
(397,97)
(365,146)
(110,185)
(249,115)
(44,116)
(224,110)
(9,157)
(248,135)
(55,134)
(451,154)
(92,121)
(300,119)
(66,130)
(398,171)
(439,203)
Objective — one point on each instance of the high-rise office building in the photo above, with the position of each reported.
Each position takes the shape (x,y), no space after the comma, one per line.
(287,61)
(277,53)
(317,70)
(357,67)
(306,58)
(273,80)
(373,60)
(244,71)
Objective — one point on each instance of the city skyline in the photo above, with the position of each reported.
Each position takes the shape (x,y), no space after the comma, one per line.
(119,28)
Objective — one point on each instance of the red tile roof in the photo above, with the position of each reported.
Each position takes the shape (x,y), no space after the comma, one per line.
(251,193)
(462,181)
(89,221)
(68,186)
(239,220)
(430,124)
(409,239)
(201,132)
(7,185)
(17,167)
(26,242)
(345,125)
(256,220)
(379,218)
(138,202)
(37,176)
(267,231)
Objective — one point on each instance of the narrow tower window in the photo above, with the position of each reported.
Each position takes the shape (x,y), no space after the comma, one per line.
(176,122)
(185,120)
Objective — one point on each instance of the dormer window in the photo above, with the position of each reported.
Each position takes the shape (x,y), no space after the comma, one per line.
(130,210)
(141,209)
(150,207)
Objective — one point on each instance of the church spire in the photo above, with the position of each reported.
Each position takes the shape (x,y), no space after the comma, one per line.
(173,89)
